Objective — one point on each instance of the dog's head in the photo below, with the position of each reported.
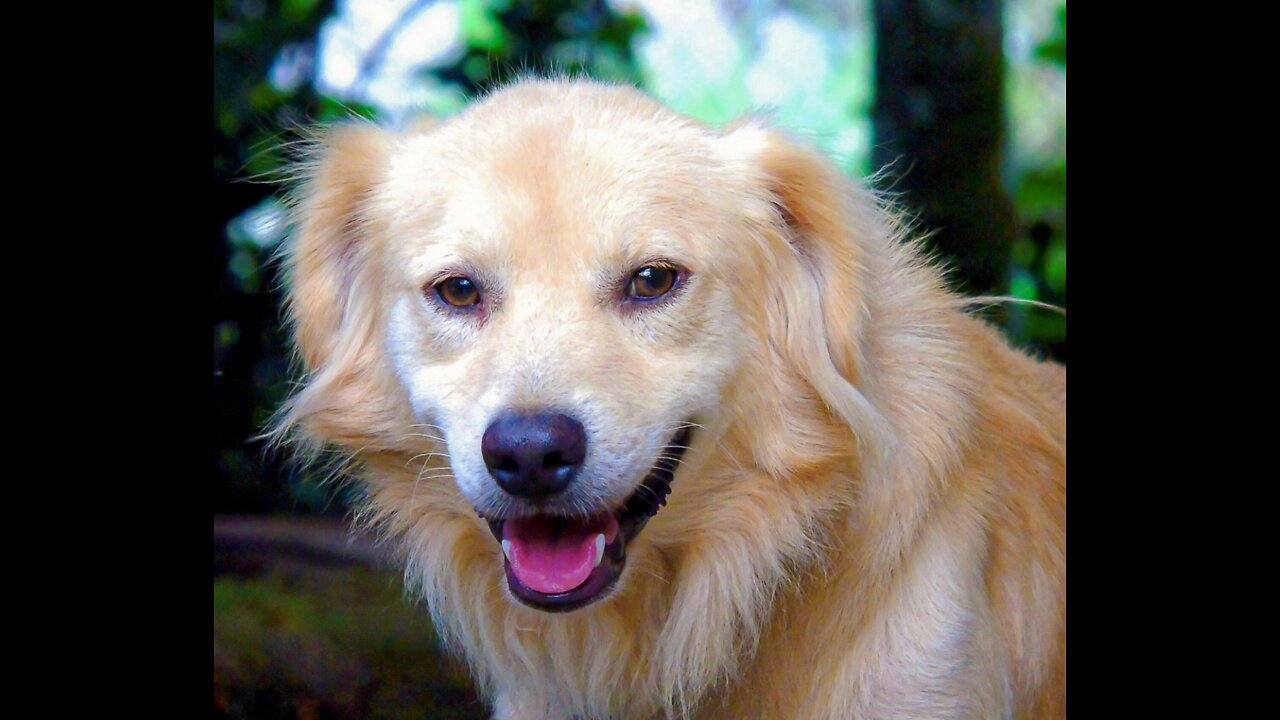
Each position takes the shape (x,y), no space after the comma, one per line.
(585,301)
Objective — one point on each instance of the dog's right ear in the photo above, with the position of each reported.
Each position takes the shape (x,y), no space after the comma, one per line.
(333,298)
(332,239)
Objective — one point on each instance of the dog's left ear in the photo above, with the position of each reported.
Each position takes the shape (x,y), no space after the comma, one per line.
(818,230)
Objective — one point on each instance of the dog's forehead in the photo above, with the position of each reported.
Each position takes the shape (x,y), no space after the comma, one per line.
(559,185)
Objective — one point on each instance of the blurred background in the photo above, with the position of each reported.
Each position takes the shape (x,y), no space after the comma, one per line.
(957,106)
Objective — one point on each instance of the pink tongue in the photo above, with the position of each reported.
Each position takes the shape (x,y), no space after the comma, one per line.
(555,555)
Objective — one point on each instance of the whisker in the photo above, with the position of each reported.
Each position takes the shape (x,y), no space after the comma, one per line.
(665,457)
(428,456)
(437,476)
(429,437)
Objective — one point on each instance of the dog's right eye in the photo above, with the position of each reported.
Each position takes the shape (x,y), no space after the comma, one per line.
(458,291)
(651,282)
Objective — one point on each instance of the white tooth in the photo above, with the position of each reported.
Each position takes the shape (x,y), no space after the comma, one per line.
(506,548)
(599,549)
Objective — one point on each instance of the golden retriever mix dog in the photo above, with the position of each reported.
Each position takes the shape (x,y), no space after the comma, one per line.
(669,420)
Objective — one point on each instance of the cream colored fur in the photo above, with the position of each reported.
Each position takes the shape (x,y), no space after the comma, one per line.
(871,520)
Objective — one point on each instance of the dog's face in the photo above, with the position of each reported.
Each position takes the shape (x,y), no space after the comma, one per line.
(559,314)
(566,282)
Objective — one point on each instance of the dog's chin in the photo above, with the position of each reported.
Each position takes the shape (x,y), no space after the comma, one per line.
(560,563)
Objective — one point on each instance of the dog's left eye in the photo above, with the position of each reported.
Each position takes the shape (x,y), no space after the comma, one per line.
(651,282)
(458,291)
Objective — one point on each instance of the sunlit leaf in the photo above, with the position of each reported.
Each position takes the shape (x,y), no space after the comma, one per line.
(479,27)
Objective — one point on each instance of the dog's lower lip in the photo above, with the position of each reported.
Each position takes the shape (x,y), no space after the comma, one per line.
(632,516)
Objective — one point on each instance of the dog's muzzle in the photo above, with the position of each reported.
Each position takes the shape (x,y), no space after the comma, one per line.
(558,563)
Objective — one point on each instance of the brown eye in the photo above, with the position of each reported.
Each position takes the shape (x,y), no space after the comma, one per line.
(458,291)
(651,282)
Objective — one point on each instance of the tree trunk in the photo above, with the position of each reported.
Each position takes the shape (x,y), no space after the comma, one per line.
(939,121)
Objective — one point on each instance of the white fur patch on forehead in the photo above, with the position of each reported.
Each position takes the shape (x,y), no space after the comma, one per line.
(444,212)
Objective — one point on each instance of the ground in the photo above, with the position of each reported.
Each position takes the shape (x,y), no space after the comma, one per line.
(309,624)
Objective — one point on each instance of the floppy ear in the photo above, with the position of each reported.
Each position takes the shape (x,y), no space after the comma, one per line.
(331,243)
(819,236)
(332,300)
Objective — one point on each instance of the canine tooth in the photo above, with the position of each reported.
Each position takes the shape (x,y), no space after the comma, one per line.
(506,549)
(599,549)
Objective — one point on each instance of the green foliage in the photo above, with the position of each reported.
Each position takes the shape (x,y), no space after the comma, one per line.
(575,37)
(1040,254)
(249,112)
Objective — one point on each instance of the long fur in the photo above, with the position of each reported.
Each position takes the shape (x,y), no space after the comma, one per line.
(871,524)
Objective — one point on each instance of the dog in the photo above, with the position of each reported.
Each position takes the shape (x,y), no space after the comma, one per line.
(672,420)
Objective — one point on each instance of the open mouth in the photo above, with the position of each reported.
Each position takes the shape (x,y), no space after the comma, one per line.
(558,564)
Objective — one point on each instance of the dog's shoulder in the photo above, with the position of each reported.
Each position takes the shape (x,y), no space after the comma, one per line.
(1053,379)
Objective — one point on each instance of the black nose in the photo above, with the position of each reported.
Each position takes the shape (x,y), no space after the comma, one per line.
(533,455)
